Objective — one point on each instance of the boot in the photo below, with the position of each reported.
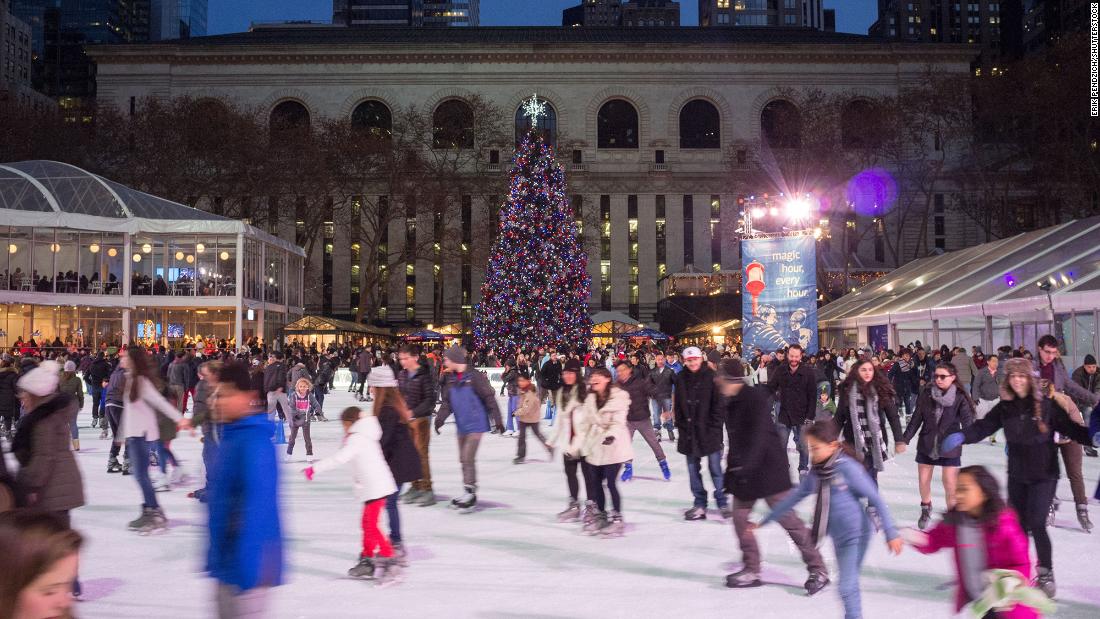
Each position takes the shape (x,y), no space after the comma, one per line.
(743,580)
(410,496)
(427,499)
(76,444)
(126,465)
(157,522)
(588,514)
(1083,517)
(571,513)
(628,473)
(160,483)
(1045,581)
(113,466)
(385,571)
(725,511)
(141,520)
(613,525)
(1090,451)
(400,555)
(467,501)
(1050,514)
(816,582)
(363,569)
(925,516)
(671,436)
(696,513)
(593,526)
(95,422)
(518,460)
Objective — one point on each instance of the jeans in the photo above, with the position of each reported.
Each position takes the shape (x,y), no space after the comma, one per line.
(277,399)
(849,558)
(695,477)
(393,516)
(113,415)
(164,456)
(649,435)
(138,448)
(785,436)
(211,440)
(97,395)
(467,456)
(513,402)
(656,407)
(551,410)
(319,392)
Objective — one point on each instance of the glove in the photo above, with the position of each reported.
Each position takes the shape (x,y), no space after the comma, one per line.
(438,424)
(308,472)
(952,442)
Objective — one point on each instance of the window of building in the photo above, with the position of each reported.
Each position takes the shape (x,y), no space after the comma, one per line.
(859,125)
(700,125)
(289,118)
(617,125)
(781,124)
(374,118)
(716,232)
(547,125)
(453,125)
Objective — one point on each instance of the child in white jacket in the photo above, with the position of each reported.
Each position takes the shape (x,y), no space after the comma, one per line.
(373,483)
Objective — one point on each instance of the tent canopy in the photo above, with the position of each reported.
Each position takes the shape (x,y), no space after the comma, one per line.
(708,328)
(998,278)
(425,335)
(323,325)
(647,333)
(612,323)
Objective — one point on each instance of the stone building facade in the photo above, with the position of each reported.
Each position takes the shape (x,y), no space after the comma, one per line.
(653,127)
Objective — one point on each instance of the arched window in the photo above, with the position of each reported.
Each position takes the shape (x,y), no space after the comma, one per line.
(289,117)
(374,118)
(781,124)
(700,125)
(548,124)
(860,125)
(617,125)
(453,125)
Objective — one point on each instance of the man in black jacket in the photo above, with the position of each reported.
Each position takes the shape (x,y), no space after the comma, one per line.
(418,388)
(637,419)
(699,420)
(660,402)
(551,383)
(793,384)
(99,372)
(275,385)
(757,468)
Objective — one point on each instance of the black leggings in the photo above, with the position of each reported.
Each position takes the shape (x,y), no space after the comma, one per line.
(571,477)
(596,476)
(1032,500)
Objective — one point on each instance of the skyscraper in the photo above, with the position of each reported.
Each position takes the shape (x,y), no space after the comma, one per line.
(993,28)
(638,13)
(777,13)
(415,13)
(177,19)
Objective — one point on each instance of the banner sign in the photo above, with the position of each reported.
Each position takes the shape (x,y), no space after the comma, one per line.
(779,293)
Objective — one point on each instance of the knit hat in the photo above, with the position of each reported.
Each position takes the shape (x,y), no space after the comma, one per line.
(70,366)
(731,370)
(381,376)
(455,354)
(1089,360)
(42,380)
(572,365)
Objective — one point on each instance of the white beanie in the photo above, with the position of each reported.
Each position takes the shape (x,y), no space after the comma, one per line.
(42,380)
(381,376)
(70,366)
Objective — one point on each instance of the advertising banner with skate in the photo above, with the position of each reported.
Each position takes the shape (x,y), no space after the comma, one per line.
(779,293)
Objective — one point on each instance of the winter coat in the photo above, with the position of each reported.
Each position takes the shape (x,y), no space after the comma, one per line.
(246,540)
(274,377)
(697,411)
(905,382)
(797,393)
(550,372)
(418,391)
(527,411)
(9,402)
(471,399)
(301,418)
(362,449)
(115,385)
(954,419)
(1088,382)
(637,388)
(572,423)
(756,466)
(987,386)
(964,369)
(200,414)
(1006,548)
(42,445)
(398,448)
(179,374)
(98,372)
(139,417)
(1063,383)
(606,423)
(363,363)
(661,380)
(71,384)
(297,372)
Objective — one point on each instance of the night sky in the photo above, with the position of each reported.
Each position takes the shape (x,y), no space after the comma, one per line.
(236,15)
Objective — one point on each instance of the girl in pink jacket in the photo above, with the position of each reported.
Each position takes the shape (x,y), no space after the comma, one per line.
(985,535)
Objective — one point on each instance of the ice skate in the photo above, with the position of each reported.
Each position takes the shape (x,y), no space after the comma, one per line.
(1050,514)
(572,513)
(518,460)
(816,582)
(1045,581)
(925,516)
(400,555)
(588,513)
(613,525)
(160,483)
(466,502)
(1090,451)
(178,476)
(743,580)
(113,465)
(696,513)
(427,499)
(126,466)
(593,526)
(726,512)
(664,470)
(1083,518)
(628,473)
(385,571)
(671,436)
(140,521)
(155,522)
(411,495)
(363,569)
(95,422)
(103,435)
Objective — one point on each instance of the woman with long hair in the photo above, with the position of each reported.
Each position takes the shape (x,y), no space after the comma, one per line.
(141,403)
(40,562)
(865,405)
(943,408)
(569,436)
(397,445)
(606,448)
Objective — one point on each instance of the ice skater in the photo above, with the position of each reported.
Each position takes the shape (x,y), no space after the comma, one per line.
(638,389)
(569,437)
(373,480)
(607,447)
(397,445)
(303,406)
(527,412)
(839,481)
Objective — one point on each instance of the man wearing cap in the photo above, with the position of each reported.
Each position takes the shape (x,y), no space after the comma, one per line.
(699,421)
(469,396)
(794,385)
(756,468)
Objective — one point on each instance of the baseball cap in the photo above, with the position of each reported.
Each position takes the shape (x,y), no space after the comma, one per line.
(692,352)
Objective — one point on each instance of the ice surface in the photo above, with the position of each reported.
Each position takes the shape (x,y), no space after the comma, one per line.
(511,559)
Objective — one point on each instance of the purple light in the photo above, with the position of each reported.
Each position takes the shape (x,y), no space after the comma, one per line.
(872,192)
(1009,280)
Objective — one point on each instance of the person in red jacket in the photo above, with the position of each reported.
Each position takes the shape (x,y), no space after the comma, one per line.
(985,535)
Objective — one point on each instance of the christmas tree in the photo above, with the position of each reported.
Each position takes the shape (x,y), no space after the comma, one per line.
(536,282)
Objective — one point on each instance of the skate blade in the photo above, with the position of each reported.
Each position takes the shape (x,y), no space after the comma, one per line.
(152,532)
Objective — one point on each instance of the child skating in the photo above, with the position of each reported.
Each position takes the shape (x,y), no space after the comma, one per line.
(303,406)
(373,483)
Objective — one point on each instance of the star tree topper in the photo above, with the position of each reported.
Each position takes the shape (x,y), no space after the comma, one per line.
(534,108)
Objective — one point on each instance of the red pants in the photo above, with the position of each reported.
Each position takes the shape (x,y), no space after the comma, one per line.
(372,535)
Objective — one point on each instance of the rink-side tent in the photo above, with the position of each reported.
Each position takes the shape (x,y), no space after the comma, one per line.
(1010,291)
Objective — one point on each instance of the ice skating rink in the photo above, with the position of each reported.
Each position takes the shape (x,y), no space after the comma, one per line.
(511,558)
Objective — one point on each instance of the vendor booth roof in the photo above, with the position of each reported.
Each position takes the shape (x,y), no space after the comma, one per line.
(59,195)
(1001,277)
(708,327)
(602,317)
(324,325)
(652,334)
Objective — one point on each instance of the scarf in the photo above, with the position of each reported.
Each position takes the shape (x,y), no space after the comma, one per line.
(942,400)
(867,409)
(904,366)
(972,560)
(826,472)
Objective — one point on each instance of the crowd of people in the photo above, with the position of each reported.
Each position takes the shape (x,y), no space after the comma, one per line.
(729,415)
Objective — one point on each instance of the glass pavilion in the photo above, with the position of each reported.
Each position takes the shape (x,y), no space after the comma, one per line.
(90,262)
(1008,292)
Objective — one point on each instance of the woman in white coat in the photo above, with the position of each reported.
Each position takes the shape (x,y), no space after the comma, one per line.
(141,401)
(373,481)
(607,447)
(569,438)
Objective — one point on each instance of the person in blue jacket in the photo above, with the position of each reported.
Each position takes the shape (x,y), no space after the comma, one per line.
(246,542)
(839,482)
